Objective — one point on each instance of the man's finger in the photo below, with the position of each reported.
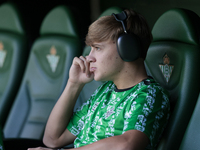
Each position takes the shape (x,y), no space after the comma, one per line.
(80,62)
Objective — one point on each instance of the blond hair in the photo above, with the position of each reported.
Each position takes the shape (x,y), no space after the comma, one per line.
(107,28)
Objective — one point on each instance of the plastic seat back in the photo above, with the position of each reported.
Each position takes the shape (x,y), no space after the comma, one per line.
(13,56)
(191,137)
(172,60)
(46,75)
(110,11)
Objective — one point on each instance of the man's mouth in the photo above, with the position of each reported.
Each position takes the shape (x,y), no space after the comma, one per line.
(92,69)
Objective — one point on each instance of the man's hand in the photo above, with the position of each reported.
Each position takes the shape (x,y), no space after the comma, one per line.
(80,71)
(56,134)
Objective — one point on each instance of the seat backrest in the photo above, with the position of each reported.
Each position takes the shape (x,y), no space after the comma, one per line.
(192,135)
(173,59)
(110,11)
(13,56)
(92,86)
(46,75)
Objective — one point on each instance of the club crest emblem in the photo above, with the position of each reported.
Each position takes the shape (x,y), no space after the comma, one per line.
(53,59)
(109,112)
(166,68)
(2,54)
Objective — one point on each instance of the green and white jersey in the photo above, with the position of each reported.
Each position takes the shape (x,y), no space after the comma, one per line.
(110,112)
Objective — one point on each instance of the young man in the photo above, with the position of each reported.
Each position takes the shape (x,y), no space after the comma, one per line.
(129,111)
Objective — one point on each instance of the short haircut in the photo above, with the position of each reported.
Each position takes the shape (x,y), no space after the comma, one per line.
(108,28)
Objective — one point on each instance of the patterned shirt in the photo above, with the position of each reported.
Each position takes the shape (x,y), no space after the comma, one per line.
(110,112)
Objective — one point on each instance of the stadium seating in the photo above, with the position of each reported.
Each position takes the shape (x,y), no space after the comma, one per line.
(13,56)
(46,75)
(172,60)
(191,137)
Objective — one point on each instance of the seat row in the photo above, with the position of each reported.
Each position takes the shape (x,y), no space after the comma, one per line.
(29,88)
(45,75)
(173,59)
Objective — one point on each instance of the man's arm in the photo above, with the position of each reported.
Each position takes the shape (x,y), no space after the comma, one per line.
(130,140)
(56,134)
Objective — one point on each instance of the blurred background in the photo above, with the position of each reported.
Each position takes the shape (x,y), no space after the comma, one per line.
(86,11)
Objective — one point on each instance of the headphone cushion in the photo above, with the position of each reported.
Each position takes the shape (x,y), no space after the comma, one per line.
(129,47)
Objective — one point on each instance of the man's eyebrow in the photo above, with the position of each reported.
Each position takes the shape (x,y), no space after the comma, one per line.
(96,45)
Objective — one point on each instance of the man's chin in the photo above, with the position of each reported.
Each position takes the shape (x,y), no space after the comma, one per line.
(99,79)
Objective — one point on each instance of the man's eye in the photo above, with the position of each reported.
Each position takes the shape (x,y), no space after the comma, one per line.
(97,48)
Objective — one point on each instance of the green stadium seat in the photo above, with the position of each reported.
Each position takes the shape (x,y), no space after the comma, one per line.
(172,60)
(13,56)
(111,10)
(46,75)
(192,135)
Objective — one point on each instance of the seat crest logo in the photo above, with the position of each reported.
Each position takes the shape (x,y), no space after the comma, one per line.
(53,59)
(2,54)
(165,68)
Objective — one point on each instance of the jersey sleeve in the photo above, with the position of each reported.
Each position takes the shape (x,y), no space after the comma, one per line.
(148,113)
(77,121)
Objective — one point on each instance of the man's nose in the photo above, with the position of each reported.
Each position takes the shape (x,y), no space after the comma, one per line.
(90,57)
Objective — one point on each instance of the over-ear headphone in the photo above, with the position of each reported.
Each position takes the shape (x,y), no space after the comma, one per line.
(128,44)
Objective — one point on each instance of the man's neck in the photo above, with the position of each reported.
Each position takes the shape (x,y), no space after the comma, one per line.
(131,75)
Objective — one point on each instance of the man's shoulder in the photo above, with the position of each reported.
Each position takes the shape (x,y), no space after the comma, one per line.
(150,85)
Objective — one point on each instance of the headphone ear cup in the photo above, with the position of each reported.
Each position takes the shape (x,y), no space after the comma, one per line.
(129,47)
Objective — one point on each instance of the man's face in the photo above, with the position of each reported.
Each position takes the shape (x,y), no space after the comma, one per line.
(105,61)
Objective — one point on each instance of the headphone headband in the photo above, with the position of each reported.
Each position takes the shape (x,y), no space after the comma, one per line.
(121,17)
